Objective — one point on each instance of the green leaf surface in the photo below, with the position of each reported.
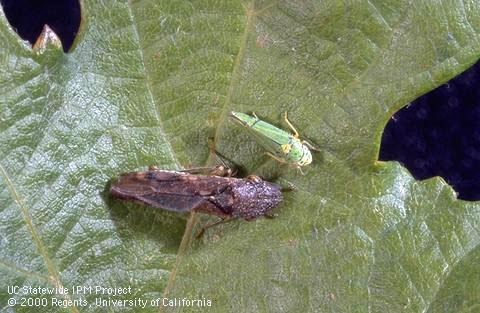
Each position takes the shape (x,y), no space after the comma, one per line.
(148,82)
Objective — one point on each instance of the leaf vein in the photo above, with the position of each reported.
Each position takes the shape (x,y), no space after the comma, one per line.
(23,271)
(51,267)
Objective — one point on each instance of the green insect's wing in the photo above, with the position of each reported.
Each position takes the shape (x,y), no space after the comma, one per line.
(268,136)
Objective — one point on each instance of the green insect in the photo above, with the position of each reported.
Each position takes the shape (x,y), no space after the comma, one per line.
(280,145)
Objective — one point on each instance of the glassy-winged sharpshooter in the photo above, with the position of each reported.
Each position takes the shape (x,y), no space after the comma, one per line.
(226,197)
(280,145)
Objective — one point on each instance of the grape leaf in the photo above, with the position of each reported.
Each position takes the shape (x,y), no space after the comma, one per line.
(148,82)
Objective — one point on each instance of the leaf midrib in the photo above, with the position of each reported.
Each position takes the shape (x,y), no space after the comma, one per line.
(250,17)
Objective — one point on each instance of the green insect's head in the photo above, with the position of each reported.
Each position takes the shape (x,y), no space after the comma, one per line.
(306,156)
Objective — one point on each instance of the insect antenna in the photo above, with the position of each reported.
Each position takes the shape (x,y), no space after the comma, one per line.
(235,168)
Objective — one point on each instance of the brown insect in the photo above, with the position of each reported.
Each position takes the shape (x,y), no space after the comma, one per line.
(226,197)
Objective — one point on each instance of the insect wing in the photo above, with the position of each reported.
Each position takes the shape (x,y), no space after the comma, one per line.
(267,135)
(270,136)
(171,202)
(174,191)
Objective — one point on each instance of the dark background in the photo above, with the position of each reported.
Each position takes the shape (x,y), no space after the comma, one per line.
(436,135)
(27,17)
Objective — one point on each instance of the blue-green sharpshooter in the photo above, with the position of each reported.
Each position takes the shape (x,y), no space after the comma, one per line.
(280,145)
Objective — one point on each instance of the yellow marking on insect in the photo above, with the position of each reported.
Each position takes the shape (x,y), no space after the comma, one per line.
(286,148)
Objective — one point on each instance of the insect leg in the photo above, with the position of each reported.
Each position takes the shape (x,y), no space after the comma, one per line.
(221,221)
(310,145)
(300,170)
(217,170)
(296,135)
(275,157)
(271,215)
(290,187)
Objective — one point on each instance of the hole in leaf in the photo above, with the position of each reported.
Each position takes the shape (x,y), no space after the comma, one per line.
(439,135)
(28,18)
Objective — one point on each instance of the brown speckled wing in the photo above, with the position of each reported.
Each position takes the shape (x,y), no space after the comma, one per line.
(169,190)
